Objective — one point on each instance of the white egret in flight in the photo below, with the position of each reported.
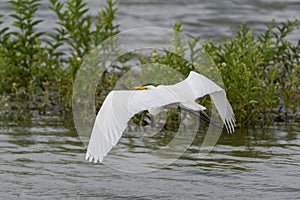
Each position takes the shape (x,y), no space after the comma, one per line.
(121,105)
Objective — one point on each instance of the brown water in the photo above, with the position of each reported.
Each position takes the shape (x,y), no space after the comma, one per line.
(44,159)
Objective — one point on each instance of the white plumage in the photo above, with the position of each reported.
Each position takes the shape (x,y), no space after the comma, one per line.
(120,106)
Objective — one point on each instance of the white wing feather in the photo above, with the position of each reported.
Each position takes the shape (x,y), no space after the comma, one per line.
(202,86)
(117,109)
(120,106)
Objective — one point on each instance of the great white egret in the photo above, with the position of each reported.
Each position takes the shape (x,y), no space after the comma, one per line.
(121,105)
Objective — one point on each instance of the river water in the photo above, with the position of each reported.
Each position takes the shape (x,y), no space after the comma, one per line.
(209,19)
(44,158)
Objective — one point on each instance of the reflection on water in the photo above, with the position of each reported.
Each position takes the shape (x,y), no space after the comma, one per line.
(45,159)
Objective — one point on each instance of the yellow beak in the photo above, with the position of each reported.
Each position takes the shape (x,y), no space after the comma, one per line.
(140,88)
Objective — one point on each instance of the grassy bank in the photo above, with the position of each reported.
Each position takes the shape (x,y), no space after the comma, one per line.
(261,72)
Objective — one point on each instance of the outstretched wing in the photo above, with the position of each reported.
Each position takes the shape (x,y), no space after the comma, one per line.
(120,106)
(201,86)
(117,109)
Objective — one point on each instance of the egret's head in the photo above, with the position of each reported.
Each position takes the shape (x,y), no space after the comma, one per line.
(144,87)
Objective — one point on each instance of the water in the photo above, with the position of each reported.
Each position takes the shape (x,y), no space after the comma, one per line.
(44,159)
(210,19)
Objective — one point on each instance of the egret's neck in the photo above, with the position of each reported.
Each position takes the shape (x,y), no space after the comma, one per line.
(149,87)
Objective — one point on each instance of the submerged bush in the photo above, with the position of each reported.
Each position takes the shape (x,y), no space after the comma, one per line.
(36,70)
(260,71)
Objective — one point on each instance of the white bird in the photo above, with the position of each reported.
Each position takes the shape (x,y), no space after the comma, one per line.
(121,105)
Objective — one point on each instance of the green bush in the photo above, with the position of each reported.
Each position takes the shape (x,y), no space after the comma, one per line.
(260,71)
(36,73)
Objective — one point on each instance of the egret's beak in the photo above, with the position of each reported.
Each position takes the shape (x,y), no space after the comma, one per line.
(140,88)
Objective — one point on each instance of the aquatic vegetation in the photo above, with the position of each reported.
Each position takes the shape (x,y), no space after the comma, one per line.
(261,72)
(38,68)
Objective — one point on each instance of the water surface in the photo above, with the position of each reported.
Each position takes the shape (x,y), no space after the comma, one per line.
(211,19)
(44,159)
